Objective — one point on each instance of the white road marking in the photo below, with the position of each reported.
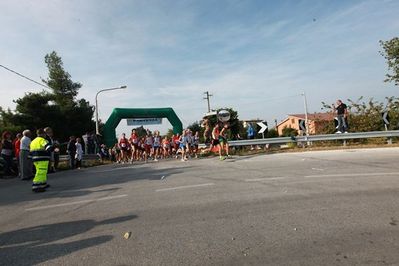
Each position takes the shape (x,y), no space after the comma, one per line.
(184,187)
(357,174)
(266,178)
(317,169)
(321,176)
(75,203)
(162,177)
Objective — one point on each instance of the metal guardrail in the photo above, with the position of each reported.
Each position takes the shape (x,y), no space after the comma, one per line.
(64,158)
(343,136)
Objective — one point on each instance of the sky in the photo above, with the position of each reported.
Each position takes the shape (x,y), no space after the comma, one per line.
(256,57)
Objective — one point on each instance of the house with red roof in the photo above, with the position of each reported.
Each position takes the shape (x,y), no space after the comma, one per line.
(317,121)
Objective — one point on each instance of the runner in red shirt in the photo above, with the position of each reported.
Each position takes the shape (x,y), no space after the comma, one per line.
(134,142)
(176,142)
(124,146)
(166,147)
(215,139)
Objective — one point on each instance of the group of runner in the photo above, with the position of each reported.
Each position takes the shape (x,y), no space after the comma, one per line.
(216,137)
(181,146)
(155,147)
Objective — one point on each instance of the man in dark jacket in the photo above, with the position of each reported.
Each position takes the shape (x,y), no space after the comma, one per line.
(341,111)
(49,138)
(71,150)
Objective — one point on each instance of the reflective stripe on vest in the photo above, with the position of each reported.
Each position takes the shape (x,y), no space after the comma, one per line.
(39,148)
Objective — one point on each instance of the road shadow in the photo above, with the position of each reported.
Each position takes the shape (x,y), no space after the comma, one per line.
(33,245)
(75,183)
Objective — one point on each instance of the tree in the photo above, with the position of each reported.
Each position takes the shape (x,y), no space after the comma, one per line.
(141,131)
(57,108)
(64,89)
(5,124)
(289,132)
(272,133)
(170,133)
(391,54)
(194,127)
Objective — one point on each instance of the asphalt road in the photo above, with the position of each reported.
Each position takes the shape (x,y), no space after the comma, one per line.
(312,208)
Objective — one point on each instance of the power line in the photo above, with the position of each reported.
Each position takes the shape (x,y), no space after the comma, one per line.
(19,74)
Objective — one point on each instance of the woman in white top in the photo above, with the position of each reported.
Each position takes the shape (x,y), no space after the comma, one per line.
(79,153)
(25,162)
(157,145)
(183,146)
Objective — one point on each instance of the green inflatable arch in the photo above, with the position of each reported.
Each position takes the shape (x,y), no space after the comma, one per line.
(122,113)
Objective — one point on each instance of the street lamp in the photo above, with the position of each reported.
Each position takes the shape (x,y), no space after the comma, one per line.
(111,89)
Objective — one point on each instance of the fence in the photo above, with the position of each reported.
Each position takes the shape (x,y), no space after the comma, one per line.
(314,138)
(87,157)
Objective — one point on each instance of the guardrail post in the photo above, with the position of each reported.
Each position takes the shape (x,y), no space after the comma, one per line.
(389,141)
(344,142)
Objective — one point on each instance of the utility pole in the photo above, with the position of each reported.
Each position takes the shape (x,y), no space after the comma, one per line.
(207,97)
(305,103)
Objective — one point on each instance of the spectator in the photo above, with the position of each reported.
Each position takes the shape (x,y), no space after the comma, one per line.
(71,150)
(56,154)
(341,111)
(17,146)
(85,138)
(49,138)
(104,154)
(91,143)
(79,153)
(96,141)
(25,162)
(7,152)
